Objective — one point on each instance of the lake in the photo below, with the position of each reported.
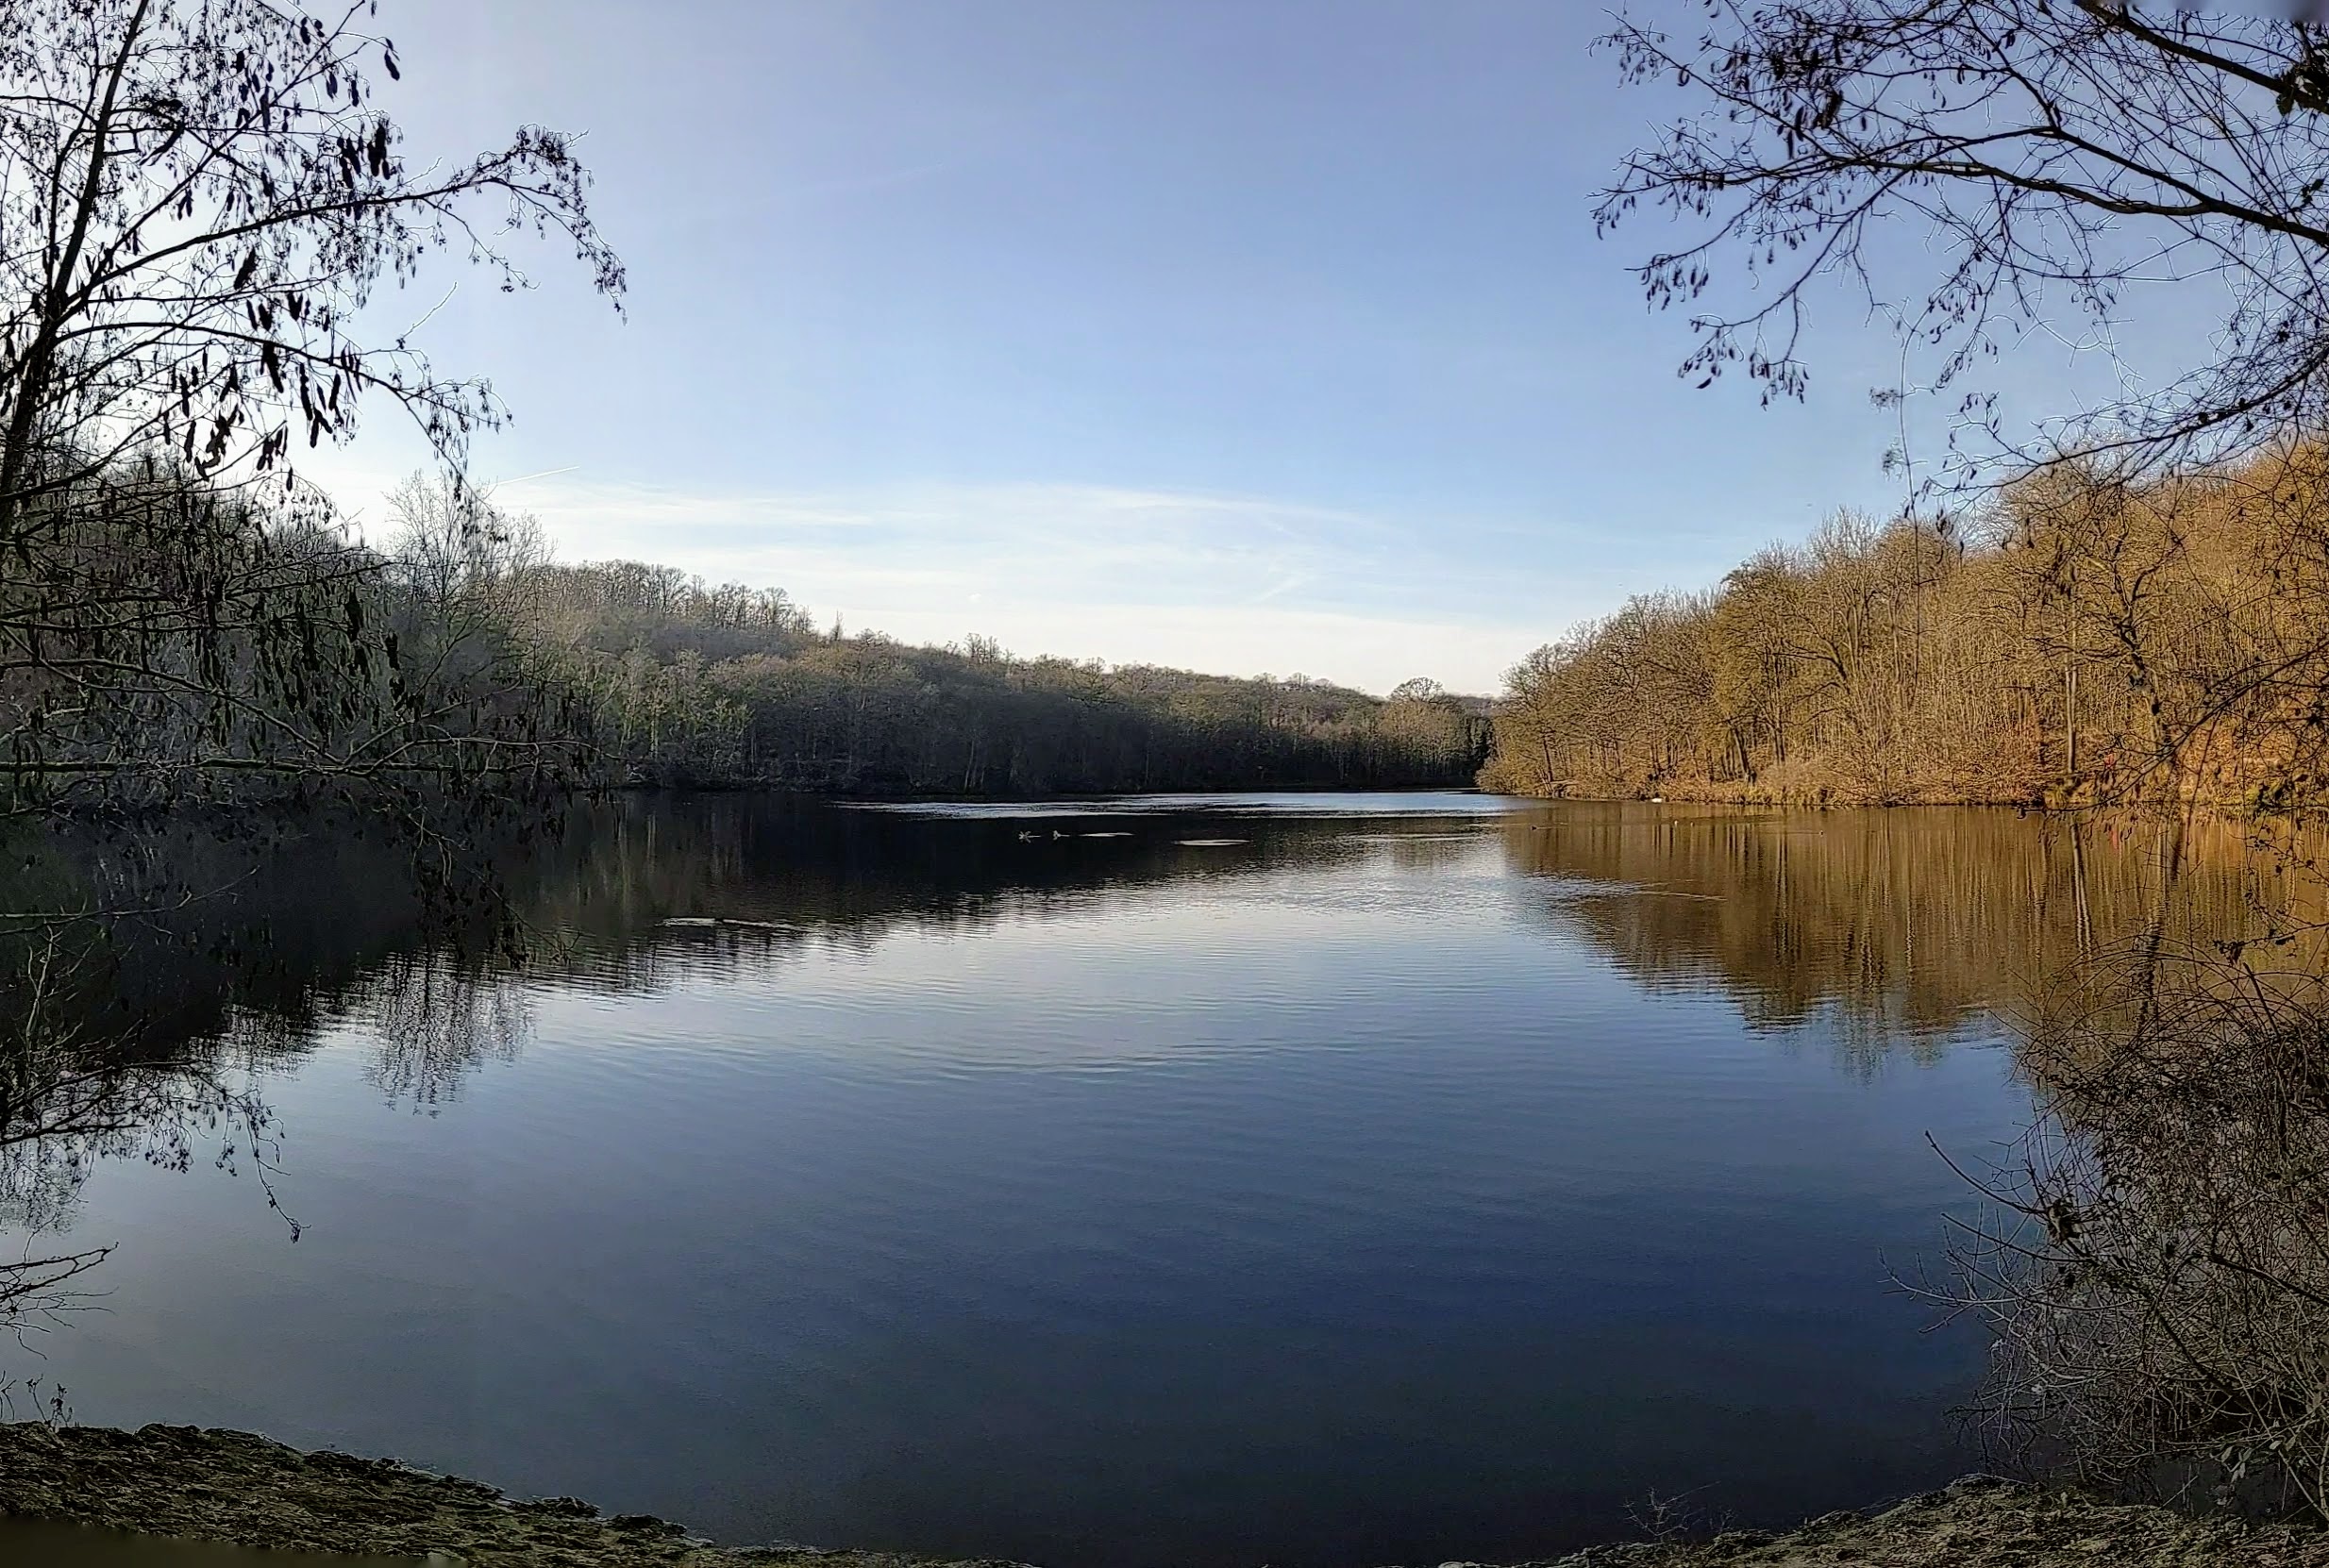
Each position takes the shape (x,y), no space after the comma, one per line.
(1300,1180)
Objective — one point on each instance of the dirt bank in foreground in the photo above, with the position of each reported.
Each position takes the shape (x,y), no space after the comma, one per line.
(232,1486)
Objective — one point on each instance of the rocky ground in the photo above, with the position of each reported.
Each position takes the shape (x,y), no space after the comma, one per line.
(1979,1523)
(232,1486)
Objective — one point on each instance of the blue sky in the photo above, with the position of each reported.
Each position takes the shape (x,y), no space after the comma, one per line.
(1247,335)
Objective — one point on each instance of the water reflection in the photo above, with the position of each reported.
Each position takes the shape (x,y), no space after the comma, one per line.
(1898,930)
(436,1020)
(1340,1180)
(637,896)
(1907,928)
(151,1037)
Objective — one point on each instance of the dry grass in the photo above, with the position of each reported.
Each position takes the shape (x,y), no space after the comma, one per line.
(2156,1268)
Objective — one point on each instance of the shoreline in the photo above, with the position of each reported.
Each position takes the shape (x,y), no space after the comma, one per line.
(220,1485)
(240,1488)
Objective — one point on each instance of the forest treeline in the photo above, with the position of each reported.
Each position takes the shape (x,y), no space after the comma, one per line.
(674,681)
(194,642)
(2076,636)
(681,682)
(197,202)
(203,204)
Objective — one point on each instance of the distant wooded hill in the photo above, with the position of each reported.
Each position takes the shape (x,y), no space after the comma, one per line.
(186,642)
(697,684)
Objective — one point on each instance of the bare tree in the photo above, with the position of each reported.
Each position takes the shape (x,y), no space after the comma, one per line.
(198,199)
(2058,156)
(2154,1265)
(196,202)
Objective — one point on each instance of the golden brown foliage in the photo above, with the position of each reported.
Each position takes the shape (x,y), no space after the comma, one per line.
(2083,638)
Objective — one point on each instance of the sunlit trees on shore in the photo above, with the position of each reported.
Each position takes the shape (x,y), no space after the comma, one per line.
(2079,636)
(2136,614)
(2132,604)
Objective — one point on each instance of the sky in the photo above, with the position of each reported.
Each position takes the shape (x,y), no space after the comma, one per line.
(1243,335)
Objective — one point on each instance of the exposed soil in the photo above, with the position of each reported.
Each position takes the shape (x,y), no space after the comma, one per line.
(227,1486)
(233,1487)
(1980,1523)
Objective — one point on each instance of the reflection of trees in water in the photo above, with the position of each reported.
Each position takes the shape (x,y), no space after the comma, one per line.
(433,1019)
(2153,1262)
(150,977)
(70,1100)
(2154,1266)
(78,1086)
(644,892)
(1903,927)
(151,1039)
(2170,1256)
(1900,928)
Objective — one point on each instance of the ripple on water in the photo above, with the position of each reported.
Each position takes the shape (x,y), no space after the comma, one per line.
(1354,1193)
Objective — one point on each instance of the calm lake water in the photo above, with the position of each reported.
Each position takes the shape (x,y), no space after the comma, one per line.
(1294,1179)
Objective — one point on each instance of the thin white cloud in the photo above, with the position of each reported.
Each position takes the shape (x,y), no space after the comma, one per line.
(1371,652)
(1230,583)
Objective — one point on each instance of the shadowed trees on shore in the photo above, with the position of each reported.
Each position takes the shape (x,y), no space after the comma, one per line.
(202,207)
(690,684)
